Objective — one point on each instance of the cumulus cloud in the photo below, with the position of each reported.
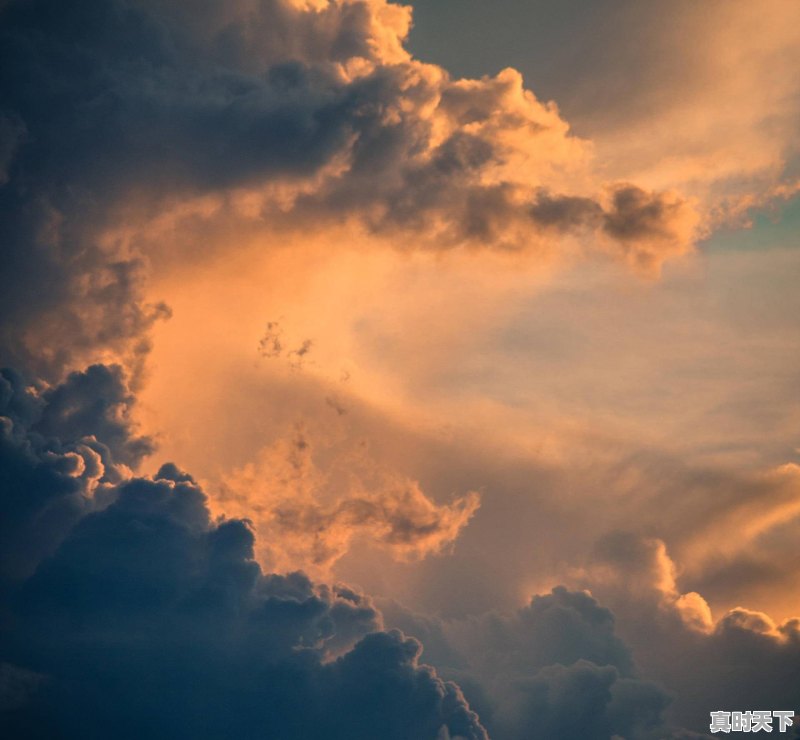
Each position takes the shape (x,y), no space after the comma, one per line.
(555,668)
(146,617)
(639,571)
(309,515)
(635,658)
(668,104)
(95,402)
(694,509)
(61,449)
(741,658)
(116,114)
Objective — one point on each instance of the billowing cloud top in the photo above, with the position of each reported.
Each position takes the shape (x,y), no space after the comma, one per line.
(115,113)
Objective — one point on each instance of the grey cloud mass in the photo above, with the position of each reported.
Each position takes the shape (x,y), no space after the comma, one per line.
(143,616)
(555,668)
(59,450)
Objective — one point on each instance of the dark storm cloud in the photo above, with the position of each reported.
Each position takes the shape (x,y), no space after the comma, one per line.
(559,627)
(555,668)
(114,95)
(565,666)
(95,403)
(146,618)
(57,453)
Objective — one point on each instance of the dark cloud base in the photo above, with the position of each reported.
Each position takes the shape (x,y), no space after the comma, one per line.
(132,614)
(128,612)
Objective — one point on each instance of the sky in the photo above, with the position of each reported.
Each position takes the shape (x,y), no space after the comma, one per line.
(391,371)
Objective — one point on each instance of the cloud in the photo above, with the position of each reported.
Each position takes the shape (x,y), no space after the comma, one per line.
(97,403)
(145,616)
(651,225)
(282,114)
(143,134)
(584,701)
(634,658)
(554,668)
(309,516)
(706,503)
(639,571)
(58,458)
(742,658)
(668,104)
(272,346)
(646,226)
